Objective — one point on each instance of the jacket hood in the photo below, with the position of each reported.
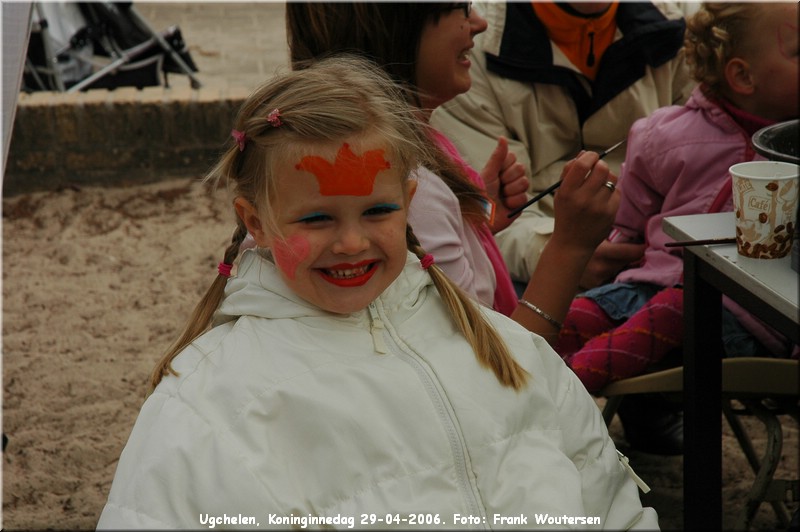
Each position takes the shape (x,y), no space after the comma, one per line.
(713,113)
(258,291)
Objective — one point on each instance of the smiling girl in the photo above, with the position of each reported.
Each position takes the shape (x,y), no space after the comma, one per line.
(344,377)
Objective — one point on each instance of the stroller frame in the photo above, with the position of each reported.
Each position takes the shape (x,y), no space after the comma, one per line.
(119,57)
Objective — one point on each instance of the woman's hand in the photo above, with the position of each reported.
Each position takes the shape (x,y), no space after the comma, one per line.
(506,183)
(585,205)
(585,208)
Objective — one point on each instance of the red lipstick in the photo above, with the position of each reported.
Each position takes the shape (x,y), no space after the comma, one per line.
(350,275)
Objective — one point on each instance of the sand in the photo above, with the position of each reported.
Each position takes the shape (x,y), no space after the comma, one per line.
(96,284)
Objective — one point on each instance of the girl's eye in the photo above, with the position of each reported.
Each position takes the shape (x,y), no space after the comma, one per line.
(382,208)
(314,217)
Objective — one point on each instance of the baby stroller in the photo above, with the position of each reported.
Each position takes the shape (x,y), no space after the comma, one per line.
(83,45)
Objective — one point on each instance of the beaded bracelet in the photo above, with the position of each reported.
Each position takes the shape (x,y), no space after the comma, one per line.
(555,323)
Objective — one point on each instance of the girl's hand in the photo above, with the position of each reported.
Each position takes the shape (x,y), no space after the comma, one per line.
(608,260)
(584,205)
(506,183)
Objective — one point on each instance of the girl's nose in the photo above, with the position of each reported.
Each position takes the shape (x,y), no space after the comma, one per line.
(351,240)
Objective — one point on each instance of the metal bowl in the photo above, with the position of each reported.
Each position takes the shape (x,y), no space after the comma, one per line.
(779,142)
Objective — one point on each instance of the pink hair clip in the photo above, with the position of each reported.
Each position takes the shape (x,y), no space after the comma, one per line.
(224,269)
(241,138)
(426,261)
(274,118)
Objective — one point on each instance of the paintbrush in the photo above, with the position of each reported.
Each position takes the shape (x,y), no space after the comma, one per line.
(554,186)
(705,242)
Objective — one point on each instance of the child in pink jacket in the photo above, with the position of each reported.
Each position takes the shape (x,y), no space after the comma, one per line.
(745,56)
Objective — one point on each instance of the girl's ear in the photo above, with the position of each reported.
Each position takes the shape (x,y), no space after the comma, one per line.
(738,76)
(250,218)
(411,188)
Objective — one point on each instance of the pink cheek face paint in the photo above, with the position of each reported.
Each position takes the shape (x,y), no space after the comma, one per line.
(349,175)
(290,253)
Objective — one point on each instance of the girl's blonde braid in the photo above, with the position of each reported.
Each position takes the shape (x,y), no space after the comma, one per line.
(203,312)
(490,349)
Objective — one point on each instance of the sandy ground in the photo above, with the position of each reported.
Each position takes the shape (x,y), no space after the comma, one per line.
(96,283)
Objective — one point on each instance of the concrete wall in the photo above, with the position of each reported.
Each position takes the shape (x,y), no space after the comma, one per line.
(118,137)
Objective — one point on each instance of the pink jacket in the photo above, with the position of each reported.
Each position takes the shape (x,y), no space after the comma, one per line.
(677,163)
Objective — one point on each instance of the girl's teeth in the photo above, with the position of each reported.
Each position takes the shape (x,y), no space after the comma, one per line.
(344,274)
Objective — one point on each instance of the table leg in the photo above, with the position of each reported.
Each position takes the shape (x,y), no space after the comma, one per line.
(702,387)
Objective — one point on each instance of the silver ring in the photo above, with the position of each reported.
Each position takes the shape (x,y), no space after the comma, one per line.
(610,186)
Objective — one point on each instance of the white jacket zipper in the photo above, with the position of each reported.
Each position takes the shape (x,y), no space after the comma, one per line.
(376,329)
(442,406)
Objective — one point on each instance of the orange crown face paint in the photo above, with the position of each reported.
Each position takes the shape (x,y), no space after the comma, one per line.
(349,175)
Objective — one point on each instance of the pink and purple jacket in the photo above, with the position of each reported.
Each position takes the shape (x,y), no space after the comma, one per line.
(677,163)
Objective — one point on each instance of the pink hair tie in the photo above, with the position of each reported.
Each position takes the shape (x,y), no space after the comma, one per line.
(426,261)
(224,269)
(274,118)
(241,138)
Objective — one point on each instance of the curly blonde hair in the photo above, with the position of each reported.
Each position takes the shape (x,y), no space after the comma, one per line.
(715,33)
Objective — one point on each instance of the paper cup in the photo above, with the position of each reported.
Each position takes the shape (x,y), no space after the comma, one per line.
(765,205)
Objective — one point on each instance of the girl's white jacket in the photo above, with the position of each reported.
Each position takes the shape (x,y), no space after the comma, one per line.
(284,415)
